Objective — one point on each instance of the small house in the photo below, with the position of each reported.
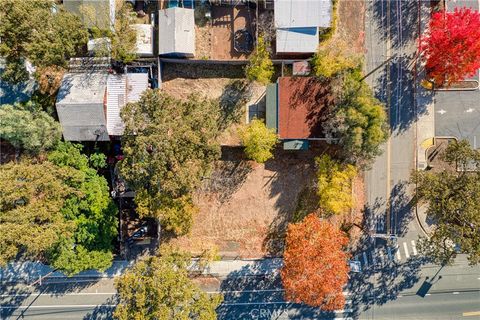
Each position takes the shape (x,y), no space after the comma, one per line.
(295,108)
(298,22)
(176,32)
(89,103)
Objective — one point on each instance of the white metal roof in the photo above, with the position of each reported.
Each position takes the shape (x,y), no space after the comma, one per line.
(176,32)
(116,99)
(302,13)
(136,84)
(122,89)
(297,40)
(144,39)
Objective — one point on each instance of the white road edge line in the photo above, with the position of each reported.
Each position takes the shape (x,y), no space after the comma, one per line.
(36,294)
(405,247)
(60,306)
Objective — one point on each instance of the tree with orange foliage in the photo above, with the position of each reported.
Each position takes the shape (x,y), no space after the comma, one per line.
(315,266)
(452,46)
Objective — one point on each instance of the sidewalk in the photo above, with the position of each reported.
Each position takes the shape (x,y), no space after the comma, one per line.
(240,268)
(29,272)
(425,101)
(423,221)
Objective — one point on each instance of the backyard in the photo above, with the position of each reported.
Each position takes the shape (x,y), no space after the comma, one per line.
(216,29)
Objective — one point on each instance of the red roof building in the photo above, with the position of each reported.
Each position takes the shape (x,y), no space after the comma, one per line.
(298,110)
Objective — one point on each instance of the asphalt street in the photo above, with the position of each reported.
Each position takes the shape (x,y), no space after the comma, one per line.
(66,298)
(390,31)
(387,288)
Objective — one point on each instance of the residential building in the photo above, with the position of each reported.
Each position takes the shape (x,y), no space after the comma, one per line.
(176,32)
(89,103)
(298,22)
(295,108)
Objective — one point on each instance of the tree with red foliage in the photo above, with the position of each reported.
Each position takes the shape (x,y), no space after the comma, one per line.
(452,46)
(315,266)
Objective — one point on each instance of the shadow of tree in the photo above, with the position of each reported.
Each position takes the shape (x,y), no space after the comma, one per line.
(15,294)
(402,22)
(253,293)
(103,311)
(232,102)
(292,174)
(228,175)
(377,286)
(402,208)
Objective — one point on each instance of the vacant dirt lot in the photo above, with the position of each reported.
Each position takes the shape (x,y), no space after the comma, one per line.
(244,207)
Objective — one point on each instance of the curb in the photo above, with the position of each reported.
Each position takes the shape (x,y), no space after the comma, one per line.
(425,232)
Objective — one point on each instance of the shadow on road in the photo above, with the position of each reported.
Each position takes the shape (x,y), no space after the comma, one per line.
(383,283)
(102,312)
(401,24)
(15,294)
(250,293)
(402,208)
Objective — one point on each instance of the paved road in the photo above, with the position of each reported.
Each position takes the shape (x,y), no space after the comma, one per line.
(391,290)
(436,306)
(390,31)
(68,298)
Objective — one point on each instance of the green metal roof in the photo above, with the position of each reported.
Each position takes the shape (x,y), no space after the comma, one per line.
(271,114)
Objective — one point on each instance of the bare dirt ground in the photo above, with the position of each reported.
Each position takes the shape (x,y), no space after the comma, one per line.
(214,39)
(351,23)
(183,87)
(244,207)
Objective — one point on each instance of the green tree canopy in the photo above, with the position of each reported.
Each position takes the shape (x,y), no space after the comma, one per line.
(94,214)
(124,39)
(452,199)
(169,146)
(334,185)
(258,140)
(59,209)
(260,68)
(32,130)
(32,30)
(333,59)
(358,120)
(159,288)
(31,202)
